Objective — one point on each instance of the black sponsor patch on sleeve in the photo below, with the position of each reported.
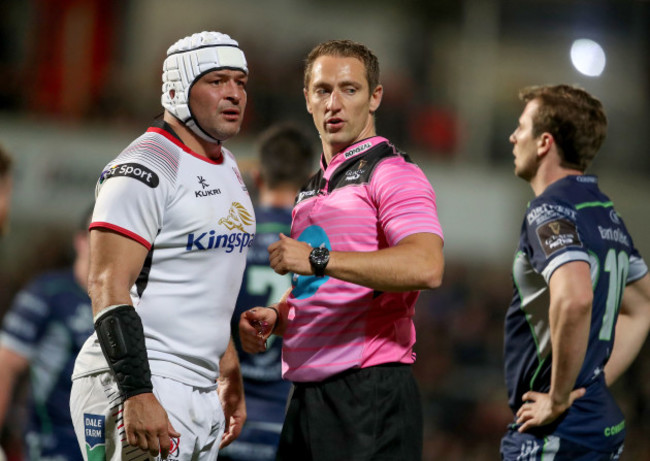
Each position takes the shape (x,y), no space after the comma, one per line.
(558,234)
(131,170)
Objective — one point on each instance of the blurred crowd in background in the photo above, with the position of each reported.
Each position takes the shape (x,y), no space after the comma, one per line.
(451,70)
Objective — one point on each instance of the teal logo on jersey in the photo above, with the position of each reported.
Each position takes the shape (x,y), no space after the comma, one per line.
(613,430)
(305,286)
(95,434)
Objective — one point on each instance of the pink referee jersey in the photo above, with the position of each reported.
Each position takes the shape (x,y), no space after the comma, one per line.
(369,197)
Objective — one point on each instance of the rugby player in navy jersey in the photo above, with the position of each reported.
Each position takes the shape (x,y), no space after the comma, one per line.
(48,322)
(580,311)
(6,185)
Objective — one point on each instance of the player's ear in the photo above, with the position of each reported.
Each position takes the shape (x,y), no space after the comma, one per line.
(544,143)
(375,98)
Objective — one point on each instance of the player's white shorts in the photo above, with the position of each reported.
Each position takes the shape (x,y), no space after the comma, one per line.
(97,415)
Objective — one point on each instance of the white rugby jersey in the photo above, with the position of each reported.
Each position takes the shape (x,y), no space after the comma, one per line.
(196,219)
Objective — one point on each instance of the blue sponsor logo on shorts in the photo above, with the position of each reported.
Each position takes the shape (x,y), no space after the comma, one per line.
(95,435)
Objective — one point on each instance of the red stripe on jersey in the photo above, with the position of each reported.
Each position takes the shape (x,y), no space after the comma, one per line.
(122,231)
(169,136)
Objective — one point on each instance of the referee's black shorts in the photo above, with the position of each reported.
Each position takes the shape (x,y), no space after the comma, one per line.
(368,414)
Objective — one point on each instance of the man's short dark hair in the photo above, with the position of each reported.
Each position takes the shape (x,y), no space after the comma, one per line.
(286,155)
(574,118)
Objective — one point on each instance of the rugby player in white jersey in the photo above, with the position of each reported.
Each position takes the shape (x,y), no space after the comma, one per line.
(171,227)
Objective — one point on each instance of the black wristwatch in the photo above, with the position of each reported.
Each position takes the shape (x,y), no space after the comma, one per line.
(318,258)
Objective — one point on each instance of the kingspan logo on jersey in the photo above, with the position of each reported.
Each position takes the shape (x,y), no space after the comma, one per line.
(131,170)
(238,217)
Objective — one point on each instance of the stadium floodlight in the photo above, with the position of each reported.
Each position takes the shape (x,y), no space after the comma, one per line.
(588,57)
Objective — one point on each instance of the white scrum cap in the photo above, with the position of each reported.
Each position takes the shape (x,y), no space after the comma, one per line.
(188,60)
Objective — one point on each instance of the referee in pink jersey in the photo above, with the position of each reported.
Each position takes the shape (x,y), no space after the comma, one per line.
(365,238)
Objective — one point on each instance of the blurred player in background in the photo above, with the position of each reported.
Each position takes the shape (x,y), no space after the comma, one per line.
(365,238)
(171,228)
(48,322)
(6,185)
(5,205)
(286,160)
(576,272)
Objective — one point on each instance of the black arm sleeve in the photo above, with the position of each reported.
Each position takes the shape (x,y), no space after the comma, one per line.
(121,338)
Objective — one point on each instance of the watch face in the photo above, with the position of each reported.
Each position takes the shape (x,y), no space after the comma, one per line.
(319,257)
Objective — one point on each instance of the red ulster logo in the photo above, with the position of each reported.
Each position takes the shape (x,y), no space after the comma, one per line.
(174,447)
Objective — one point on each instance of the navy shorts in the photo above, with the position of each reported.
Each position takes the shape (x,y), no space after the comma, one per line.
(258,441)
(516,446)
(371,414)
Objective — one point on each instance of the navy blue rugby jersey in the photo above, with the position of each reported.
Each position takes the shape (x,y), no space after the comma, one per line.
(48,322)
(572,220)
(266,392)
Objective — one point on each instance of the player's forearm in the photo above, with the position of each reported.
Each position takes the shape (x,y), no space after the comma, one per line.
(13,365)
(6,390)
(231,383)
(282,307)
(632,328)
(571,297)
(416,263)
(105,290)
(570,323)
(229,365)
(630,337)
